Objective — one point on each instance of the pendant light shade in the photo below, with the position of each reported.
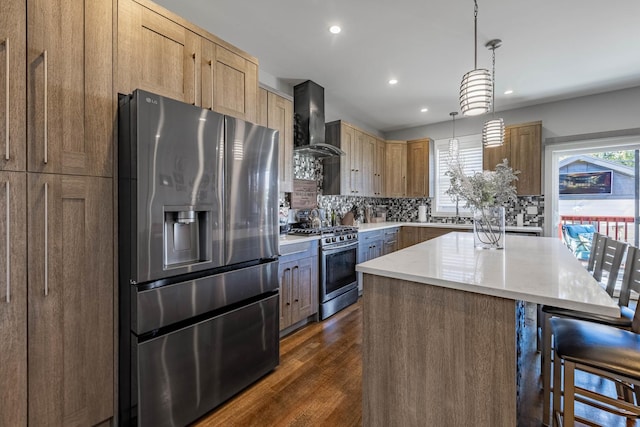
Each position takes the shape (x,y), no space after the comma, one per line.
(476,86)
(493,133)
(493,130)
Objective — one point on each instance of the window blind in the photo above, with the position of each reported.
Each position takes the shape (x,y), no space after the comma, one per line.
(470,154)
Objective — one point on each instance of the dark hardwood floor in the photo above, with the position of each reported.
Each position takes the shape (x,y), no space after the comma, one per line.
(319,381)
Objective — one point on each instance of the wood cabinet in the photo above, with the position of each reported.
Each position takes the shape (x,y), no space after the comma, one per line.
(370,246)
(361,171)
(367,164)
(57,362)
(418,168)
(70,113)
(276,112)
(70,293)
(523,149)
(298,273)
(391,240)
(13,102)
(164,54)
(280,117)
(379,171)
(410,236)
(396,169)
(13,299)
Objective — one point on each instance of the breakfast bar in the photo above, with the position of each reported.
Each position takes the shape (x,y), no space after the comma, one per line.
(440,326)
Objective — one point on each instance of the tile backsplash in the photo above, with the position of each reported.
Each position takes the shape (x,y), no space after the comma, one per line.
(406,209)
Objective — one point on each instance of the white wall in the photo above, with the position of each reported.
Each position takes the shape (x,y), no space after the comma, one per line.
(608,111)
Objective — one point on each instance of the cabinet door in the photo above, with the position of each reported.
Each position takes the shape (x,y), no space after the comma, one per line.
(376,249)
(263,107)
(418,168)
(69,87)
(156,54)
(13,299)
(367,165)
(235,88)
(356,163)
(304,289)
(280,117)
(526,156)
(379,168)
(13,36)
(409,236)
(491,156)
(347,172)
(70,294)
(285,293)
(395,167)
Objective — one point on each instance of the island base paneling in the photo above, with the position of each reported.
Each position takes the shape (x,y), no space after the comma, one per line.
(437,356)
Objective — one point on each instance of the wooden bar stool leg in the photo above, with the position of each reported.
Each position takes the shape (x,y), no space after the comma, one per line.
(569,391)
(557,389)
(545,359)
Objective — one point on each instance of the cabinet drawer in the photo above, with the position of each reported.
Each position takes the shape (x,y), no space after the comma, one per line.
(364,236)
(300,250)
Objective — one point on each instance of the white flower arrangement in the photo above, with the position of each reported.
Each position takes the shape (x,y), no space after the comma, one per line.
(483,189)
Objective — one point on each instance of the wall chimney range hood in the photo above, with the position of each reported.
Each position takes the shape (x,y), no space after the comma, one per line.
(308,106)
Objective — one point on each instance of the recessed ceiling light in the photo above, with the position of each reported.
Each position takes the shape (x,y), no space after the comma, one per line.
(393,81)
(424,110)
(334,29)
(508,92)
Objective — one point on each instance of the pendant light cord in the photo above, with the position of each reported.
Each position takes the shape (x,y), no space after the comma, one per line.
(475,35)
(493,83)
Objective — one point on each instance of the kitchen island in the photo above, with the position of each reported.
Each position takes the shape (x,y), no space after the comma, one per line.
(439,341)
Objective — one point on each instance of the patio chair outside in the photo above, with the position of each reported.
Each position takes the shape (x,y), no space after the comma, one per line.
(578,238)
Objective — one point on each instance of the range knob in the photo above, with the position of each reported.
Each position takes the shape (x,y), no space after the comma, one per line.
(327,240)
(333,239)
(341,237)
(348,236)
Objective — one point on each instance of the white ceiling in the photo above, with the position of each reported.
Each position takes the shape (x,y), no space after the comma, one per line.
(551,49)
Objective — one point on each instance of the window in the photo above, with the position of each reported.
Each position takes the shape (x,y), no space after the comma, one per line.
(470,152)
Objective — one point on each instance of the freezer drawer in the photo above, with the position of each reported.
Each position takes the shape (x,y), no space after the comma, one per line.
(186,373)
(166,305)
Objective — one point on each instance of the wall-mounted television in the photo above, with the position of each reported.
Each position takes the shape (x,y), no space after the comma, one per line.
(598,182)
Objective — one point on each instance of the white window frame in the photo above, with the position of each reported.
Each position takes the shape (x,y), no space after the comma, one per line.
(469,147)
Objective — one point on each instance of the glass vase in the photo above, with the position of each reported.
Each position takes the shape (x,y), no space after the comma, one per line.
(488,228)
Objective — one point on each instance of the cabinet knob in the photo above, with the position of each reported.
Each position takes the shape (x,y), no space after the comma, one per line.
(295,300)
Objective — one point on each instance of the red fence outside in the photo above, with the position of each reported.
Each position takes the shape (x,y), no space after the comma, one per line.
(619,227)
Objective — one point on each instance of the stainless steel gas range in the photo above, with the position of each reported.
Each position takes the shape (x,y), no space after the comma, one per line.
(338,284)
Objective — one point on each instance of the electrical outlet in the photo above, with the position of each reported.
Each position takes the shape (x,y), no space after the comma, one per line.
(532,210)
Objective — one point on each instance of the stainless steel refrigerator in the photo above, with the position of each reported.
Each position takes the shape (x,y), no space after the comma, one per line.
(198,246)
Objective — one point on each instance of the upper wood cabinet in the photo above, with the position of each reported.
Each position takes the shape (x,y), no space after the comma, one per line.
(360,171)
(280,117)
(71,107)
(523,149)
(276,112)
(396,169)
(379,169)
(418,168)
(367,165)
(70,300)
(13,102)
(13,299)
(164,54)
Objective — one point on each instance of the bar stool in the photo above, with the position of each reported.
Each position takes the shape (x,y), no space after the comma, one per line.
(607,351)
(612,254)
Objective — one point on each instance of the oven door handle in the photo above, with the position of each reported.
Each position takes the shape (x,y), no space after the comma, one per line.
(340,247)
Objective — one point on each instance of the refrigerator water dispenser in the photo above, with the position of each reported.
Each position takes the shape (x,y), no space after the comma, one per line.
(186,237)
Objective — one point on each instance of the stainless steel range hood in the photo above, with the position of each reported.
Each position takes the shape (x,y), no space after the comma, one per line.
(308,105)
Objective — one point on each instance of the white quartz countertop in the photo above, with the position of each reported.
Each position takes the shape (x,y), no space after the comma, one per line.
(536,269)
(287,239)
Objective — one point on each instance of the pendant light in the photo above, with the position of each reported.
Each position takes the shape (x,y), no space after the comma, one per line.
(475,89)
(493,130)
(454,144)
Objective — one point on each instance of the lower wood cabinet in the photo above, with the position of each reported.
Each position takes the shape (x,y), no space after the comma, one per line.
(298,273)
(410,236)
(391,240)
(70,300)
(13,299)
